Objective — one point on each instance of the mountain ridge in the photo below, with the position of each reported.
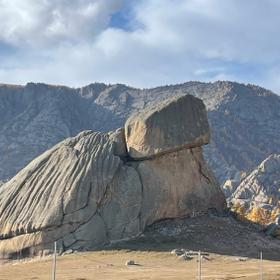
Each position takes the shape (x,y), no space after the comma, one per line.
(244,119)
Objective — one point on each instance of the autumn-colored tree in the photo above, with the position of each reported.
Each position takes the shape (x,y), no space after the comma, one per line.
(254,215)
(259,215)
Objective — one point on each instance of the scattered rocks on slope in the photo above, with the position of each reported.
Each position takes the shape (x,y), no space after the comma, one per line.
(185,257)
(178,252)
(188,254)
(212,234)
(86,191)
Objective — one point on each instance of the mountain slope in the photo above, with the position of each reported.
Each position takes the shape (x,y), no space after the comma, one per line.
(245,119)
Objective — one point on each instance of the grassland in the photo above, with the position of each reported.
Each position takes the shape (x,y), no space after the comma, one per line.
(110,265)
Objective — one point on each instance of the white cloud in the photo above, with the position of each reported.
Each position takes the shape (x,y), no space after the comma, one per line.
(175,41)
(51,21)
(232,29)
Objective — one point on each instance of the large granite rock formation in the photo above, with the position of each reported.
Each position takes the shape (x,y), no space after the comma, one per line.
(258,196)
(88,190)
(244,119)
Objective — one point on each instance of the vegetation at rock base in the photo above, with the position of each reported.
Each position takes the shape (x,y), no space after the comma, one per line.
(256,214)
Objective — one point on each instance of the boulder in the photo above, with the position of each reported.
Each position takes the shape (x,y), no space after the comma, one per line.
(185,257)
(130,262)
(86,191)
(177,123)
(178,252)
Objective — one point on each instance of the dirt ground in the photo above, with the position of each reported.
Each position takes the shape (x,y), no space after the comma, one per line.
(224,238)
(110,265)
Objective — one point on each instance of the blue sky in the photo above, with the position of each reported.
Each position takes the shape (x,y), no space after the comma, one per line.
(142,43)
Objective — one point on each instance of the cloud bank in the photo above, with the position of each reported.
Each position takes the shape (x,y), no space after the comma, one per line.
(143,43)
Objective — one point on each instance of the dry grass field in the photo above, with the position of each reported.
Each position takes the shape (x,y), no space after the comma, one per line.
(110,265)
(225,239)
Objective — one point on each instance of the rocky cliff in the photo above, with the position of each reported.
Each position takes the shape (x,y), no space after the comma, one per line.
(244,119)
(100,187)
(257,198)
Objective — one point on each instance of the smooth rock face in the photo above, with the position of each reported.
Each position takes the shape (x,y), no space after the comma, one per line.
(177,123)
(259,192)
(185,183)
(123,205)
(86,192)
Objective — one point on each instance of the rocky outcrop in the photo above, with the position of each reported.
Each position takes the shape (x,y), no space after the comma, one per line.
(88,191)
(257,198)
(244,120)
(231,185)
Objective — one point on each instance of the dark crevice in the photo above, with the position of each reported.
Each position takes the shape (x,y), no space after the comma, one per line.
(139,217)
(161,154)
(200,167)
(83,207)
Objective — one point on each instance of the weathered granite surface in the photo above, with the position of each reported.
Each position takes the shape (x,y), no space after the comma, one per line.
(176,123)
(186,186)
(87,191)
(259,193)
